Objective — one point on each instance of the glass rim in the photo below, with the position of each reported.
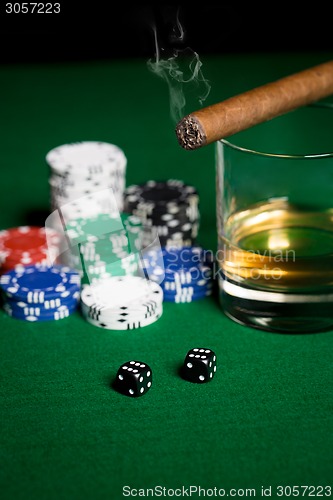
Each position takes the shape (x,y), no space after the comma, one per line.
(284,155)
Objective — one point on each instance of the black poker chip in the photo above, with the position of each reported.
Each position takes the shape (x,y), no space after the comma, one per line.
(169,209)
(159,194)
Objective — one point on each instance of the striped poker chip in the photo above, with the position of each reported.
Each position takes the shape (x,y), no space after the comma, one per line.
(38,283)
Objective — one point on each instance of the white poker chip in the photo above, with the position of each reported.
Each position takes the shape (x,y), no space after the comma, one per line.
(78,208)
(122,324)
(80,172)
(74,181)
(121,315)
(122,292)
(92,156)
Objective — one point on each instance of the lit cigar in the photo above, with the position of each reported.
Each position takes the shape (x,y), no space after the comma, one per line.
(255,106)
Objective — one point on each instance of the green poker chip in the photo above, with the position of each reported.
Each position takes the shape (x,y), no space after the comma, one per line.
(101,227)
(108,245)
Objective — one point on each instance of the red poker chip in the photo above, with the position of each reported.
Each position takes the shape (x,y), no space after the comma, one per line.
(26,240)
(26,260)
(9,266)
(27,257)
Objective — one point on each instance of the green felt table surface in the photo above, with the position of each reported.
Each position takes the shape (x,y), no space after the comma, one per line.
(265,419)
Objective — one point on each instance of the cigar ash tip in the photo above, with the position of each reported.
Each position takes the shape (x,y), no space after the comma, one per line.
(189,133)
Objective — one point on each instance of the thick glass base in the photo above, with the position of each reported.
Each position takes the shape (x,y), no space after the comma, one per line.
(281,317)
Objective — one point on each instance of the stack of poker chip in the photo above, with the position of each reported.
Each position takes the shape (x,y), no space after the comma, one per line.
(40,293)
(27,245)
(82,169)
(109,245)
(122,303)
(186,274)
(168,210)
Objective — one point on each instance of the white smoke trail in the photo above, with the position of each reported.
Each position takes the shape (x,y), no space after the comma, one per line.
(182,69)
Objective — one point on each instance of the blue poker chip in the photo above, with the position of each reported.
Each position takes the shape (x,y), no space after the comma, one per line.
(185,257)
(185,289)
(25,309)
(189,290)
(185,298)
(197,275)
(185,265)
(198,286)
(38,283)
(36,315)
(47,305)
(178,258)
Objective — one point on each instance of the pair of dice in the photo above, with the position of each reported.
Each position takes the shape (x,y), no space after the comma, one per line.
(134,378)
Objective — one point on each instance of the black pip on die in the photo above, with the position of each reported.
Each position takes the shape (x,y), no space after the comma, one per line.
(134,378)
(199,365)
